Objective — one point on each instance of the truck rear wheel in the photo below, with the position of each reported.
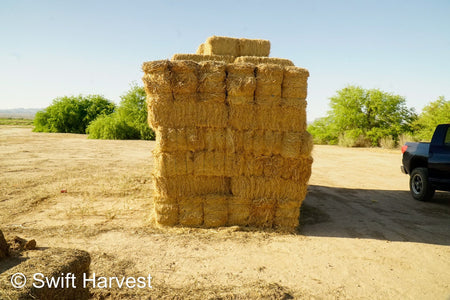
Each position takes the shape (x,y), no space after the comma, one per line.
(419,185)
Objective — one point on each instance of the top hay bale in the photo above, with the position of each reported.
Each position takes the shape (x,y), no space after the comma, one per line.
(253,47)
(219,45)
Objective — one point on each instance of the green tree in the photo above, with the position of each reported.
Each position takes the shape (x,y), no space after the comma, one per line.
(435,113)
(128,122)
(133,109)
(72,114)
(360,117)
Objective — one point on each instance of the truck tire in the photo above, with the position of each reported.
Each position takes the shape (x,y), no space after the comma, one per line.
(419,185)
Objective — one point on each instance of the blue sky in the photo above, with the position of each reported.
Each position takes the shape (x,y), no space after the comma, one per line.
(55,48)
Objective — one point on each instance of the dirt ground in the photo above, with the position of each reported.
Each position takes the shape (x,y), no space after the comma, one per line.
(361,234)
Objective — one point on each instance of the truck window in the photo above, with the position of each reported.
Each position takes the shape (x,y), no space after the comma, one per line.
(447,138)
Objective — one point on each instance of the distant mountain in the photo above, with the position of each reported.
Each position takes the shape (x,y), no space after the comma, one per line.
(25,113)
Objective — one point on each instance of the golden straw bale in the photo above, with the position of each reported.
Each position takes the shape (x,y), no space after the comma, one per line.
(262,212)
(231,165)
(203,58)
(212,77)
(298,103)
(238,211)
(184,78)
(215,163)
(209,163)
(215,139)
(241,186)
(294,83)
(259,143)
(297,169)
(272,142)
(242,116)
(292,142)
(254,187)
(294,92)
(268,81)
(215,210)
(297,144)
(219,45)
(188,185)
(191,211)
(200,49)
(292,118)
(254,47)
(285,224)
(195,138)
(263,60)
(174,115)
(241,81)
(211,114)
(157,84)
(158,109)
(295,77)
(156,67)
(173,163)
(268,117)
(166,213)
(171,139)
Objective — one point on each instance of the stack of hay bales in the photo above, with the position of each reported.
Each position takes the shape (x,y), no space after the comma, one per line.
(232,146)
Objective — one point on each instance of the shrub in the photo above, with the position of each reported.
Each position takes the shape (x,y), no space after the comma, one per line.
(133,110)
(111,127)
(387,142)
(128,122)
(72,114)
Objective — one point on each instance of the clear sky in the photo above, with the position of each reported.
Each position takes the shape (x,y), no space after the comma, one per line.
(55,48)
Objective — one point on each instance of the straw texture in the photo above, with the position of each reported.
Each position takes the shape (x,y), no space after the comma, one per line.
(231,140)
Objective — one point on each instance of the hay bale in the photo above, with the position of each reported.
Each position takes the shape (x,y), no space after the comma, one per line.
(184,79)
(209,114)
(256,187)
(256,60)
(215,211)
(188,185)
(200,49)
(166,213)
(241,83)
(173,163)
(53,263)
(292,118)
(212,77)
(262,212)
(254,47)
(212,81)
(268,117)
(191,211)
(209,163)
(268,83)
(238,211)
(203,58)
(242,116)
(295,83)
(215,139)
(220,45)
(170,139)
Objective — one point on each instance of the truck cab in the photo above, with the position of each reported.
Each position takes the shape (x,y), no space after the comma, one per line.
(428,164)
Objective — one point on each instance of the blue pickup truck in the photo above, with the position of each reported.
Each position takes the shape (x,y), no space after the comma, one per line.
(428,164)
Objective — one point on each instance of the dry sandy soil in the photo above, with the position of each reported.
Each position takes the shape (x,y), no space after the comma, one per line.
(361,234)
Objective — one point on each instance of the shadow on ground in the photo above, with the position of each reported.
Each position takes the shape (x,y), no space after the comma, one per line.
(375,214)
